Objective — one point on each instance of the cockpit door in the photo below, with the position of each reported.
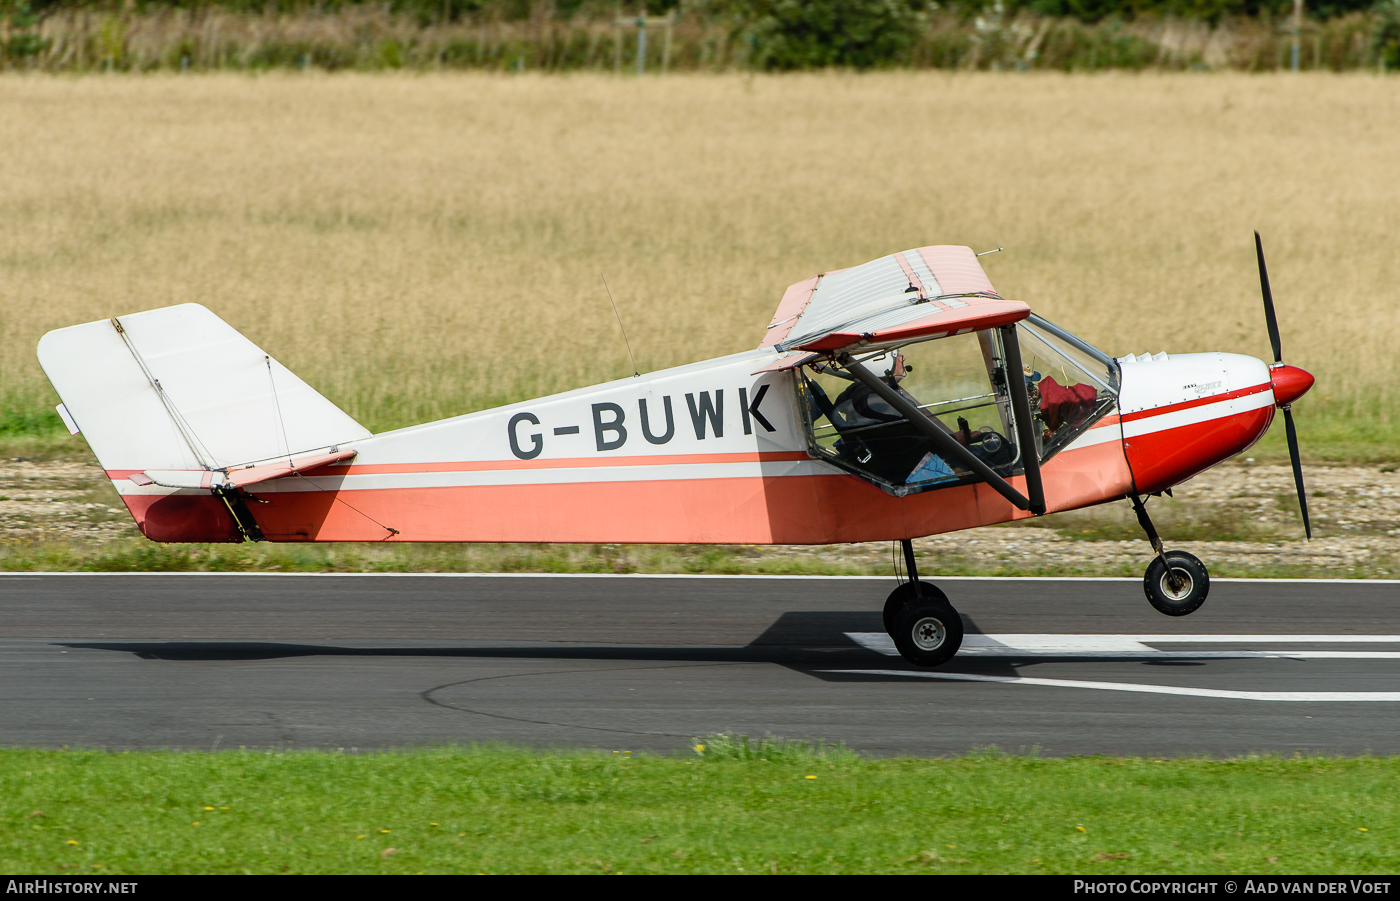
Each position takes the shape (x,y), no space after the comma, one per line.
(961,383)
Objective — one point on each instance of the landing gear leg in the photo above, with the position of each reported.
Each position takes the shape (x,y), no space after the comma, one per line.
(910,591)
(925,627)
(911,565)
(1176,583)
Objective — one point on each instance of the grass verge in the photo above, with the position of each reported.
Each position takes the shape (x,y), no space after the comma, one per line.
(738,806)
(140,555)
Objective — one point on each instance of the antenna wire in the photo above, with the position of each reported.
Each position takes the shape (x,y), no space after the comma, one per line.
(636,373)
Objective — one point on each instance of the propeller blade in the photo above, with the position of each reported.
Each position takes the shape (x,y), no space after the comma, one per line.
(1297,468)
(1269,316)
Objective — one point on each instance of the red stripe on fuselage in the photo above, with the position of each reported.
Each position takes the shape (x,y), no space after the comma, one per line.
(1188,404)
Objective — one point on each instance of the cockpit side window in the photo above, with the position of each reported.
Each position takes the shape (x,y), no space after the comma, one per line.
(960,383)
(957,381)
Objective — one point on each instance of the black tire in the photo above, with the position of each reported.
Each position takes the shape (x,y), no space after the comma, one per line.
(906,594)
(1193,582)
(928,633)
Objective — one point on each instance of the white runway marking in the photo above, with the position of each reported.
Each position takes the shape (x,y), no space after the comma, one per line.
(1146,689)
(1139,646)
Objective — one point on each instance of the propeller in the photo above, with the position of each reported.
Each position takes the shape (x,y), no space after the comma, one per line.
(1290,383)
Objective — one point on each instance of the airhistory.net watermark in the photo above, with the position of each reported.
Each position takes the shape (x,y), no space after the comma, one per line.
(68,887)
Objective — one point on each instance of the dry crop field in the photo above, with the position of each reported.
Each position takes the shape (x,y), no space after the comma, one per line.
(418,246)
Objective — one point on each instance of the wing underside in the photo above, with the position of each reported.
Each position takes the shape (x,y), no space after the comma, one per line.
(927,292)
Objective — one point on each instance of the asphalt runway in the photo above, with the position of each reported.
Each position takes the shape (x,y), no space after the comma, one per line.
(631,662)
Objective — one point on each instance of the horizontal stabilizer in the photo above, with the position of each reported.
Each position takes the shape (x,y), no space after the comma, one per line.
(251,475)
(176,478)
(237,477)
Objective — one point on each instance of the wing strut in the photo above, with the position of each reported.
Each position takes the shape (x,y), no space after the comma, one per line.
(945,442)
(1021,405)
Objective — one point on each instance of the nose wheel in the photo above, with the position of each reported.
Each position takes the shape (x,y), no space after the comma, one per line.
(1176,583)
(925,627)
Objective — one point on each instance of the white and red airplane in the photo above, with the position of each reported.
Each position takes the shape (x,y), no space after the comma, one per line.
(897,399)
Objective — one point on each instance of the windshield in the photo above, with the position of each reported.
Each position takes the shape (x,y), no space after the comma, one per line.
(1070,383)
(1091,361)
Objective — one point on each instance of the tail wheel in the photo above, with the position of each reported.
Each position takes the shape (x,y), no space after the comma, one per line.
(1192,584)
(907,594)
(928,632)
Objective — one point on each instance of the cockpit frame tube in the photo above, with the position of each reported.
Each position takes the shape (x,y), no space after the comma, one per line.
(941,439)
(1021,406)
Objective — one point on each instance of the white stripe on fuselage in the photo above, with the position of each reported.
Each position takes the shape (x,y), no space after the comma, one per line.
(1194,415)
(1173,420)
(542,476)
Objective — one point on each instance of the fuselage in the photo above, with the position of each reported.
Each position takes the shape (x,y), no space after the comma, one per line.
(713,452)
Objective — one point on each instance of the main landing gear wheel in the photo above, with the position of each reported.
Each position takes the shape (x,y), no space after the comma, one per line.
(1192,584)
(928,632)
(907,594)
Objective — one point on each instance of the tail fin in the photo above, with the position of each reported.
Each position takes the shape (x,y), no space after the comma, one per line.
(178,389)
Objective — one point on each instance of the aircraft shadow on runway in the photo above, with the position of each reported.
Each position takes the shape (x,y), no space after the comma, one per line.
(805,641)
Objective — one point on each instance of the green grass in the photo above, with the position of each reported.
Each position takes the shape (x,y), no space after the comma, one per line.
(1335,435)
(30,422)
(757,808)
(140,555)
(34,438)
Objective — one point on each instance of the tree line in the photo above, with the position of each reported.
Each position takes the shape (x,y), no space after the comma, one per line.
(786,10)
(772,35)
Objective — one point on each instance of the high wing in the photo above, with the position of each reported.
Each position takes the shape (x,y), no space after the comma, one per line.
(928,292)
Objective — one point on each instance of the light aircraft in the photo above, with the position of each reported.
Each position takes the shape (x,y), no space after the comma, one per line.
(896,399)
